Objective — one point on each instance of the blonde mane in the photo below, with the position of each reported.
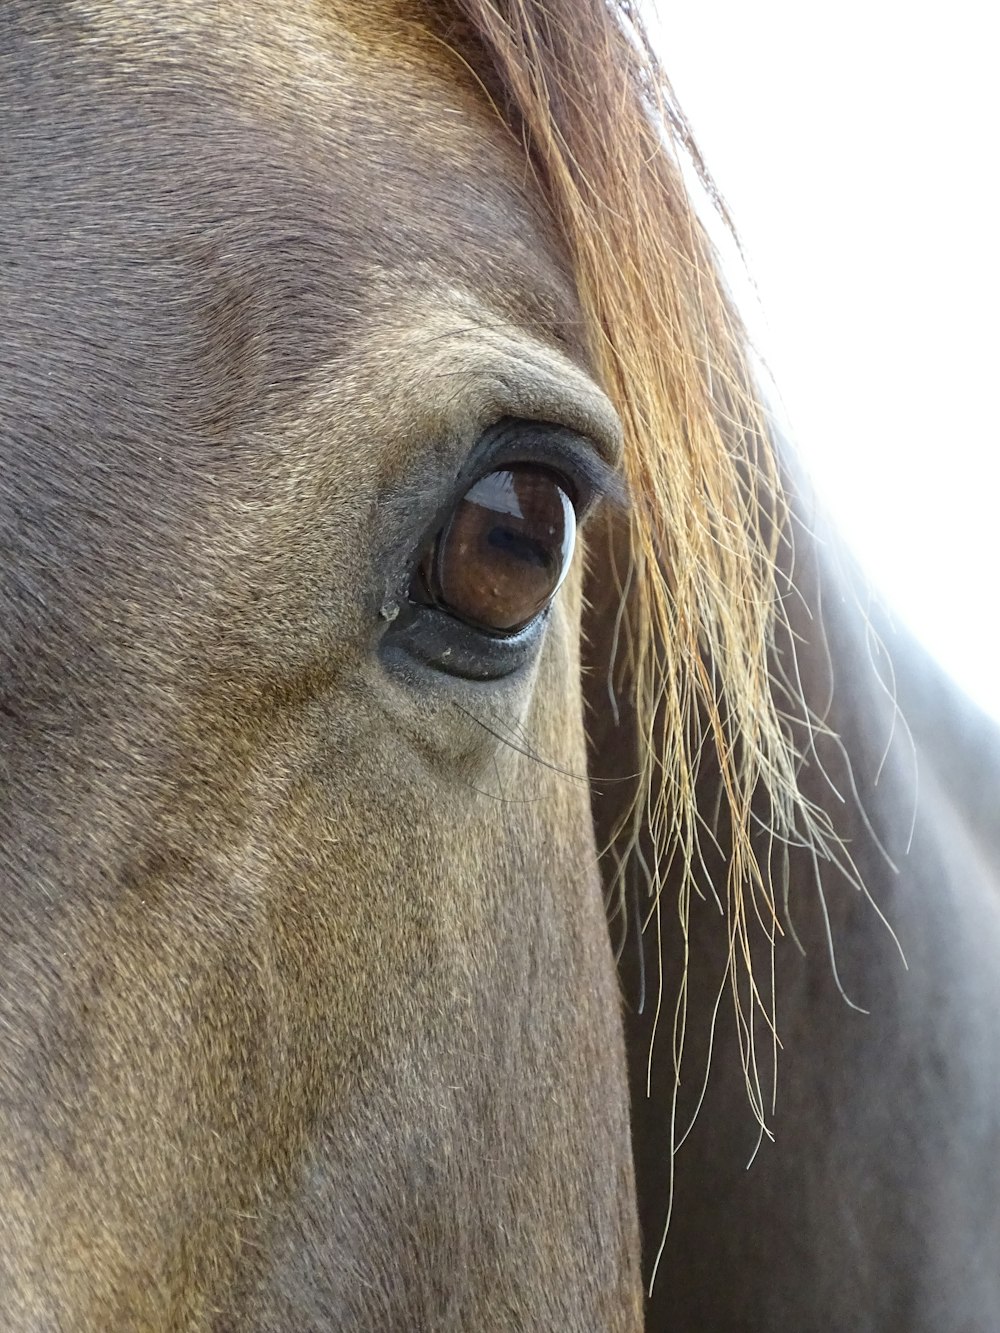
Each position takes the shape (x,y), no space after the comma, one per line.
(578,81)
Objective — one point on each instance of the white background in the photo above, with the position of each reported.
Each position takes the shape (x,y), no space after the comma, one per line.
(857,145)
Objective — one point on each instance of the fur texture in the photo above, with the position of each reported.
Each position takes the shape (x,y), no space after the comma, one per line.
(308,1014)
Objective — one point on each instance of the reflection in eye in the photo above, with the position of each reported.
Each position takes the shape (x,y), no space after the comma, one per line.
(505,550)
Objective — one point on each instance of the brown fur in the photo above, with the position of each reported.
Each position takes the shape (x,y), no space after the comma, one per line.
(308,1012)
(579,83)
(308,1017)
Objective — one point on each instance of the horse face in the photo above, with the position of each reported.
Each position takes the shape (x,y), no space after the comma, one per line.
(309,1013)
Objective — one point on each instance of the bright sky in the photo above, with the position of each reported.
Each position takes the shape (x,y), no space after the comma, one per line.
(856,145)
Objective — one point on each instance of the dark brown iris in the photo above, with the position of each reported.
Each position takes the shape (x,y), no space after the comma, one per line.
(506,548)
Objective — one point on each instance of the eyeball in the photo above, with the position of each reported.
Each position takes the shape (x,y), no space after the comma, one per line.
(505,549)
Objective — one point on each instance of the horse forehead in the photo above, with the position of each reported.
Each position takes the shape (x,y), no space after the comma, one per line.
(376,119)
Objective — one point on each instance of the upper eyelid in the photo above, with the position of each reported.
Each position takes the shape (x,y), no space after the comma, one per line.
(552,445)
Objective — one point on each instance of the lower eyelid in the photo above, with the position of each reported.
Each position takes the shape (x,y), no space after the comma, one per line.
(435,641)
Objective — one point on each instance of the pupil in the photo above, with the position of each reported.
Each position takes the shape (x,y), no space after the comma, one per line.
(519,546)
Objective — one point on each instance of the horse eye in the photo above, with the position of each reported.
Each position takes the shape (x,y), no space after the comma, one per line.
(503,553)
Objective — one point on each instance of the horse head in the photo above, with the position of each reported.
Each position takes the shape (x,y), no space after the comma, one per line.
(379,464)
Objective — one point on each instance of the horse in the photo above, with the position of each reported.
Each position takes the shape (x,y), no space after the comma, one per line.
(407,613)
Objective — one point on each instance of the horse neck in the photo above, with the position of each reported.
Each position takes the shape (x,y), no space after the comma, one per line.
(905,765)
(900,768)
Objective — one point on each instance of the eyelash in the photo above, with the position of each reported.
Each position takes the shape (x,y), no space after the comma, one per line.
(578,468)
